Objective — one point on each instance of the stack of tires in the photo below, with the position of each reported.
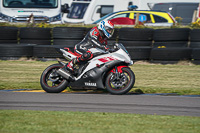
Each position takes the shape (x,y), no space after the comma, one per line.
(8,35)
(137,41)
(15,51)
(68,36)
(195,44)
(171,45)
(41,39)
(39,36)
(9,47)
(46,51)
(64,37)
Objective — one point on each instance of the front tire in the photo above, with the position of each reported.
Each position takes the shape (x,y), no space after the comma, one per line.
(51,82)
(122,84)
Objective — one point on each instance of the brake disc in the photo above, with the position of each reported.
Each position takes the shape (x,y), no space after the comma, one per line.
(119,82)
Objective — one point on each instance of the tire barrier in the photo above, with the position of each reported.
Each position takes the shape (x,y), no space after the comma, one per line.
(170,44)
(194,35)
(194,44)
(8,35)
(87,30)
(139,53)
(40,36)
(196,54)
(38,42)
(16,50)
(68,32)
(45,51)
(35,33)
(170,54)
(135,43)
(163,35)
(131,34)
(136,37)
(68,35)
(65,42)
(8,41)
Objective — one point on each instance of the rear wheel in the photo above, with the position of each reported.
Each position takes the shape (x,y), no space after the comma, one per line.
(121,83)
(51,82)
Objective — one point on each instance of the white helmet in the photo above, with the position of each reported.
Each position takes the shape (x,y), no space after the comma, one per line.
(107,27)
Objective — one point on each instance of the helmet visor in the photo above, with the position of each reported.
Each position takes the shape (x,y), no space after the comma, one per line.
(110,30)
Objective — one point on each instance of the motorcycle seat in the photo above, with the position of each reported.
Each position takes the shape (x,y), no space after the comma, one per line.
(70,50)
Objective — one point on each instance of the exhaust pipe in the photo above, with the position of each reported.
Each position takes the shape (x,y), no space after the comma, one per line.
(65,74)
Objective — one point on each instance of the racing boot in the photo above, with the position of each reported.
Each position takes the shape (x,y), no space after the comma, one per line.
(71,64)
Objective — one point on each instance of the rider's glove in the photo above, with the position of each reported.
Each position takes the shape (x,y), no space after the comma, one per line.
(106,49)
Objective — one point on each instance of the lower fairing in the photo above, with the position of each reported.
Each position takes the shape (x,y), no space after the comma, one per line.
(95,78)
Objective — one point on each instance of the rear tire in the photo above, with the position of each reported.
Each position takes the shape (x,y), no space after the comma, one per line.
(122,85)
(51,82)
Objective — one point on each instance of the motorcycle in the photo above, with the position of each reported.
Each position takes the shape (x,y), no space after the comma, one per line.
(106,70)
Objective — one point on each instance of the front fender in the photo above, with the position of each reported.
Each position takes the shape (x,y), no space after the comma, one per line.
(119,69)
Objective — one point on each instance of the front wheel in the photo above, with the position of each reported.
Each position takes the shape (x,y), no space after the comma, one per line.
(120,83)
(51,82)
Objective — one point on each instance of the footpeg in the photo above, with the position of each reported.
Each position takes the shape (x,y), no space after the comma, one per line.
(64,73)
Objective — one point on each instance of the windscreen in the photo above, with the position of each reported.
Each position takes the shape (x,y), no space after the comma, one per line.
(77,10)
(123,48)
(30,3)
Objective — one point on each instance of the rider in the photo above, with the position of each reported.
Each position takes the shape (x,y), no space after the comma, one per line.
(95,38)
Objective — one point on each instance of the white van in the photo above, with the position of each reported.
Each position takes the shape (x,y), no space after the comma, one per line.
(88,11)
(48,11)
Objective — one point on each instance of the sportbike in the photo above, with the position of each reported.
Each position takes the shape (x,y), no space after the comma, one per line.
(106,70)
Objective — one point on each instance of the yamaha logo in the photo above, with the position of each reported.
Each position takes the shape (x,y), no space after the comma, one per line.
(90,84)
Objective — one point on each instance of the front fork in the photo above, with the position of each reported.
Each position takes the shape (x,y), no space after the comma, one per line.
(118,79)
(117,71)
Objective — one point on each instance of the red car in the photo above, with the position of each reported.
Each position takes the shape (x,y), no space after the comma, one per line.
(124,21)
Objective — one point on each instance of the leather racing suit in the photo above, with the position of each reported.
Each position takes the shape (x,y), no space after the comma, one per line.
(94,39)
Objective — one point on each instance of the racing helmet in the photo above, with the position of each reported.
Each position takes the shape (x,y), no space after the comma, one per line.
(107,27)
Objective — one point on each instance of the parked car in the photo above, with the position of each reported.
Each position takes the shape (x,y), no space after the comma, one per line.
(124,21)
(150,18)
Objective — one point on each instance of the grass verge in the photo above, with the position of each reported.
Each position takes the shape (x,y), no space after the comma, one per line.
(74,122)
(150,78)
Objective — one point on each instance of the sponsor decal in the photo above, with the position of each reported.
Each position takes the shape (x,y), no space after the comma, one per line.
(90,84)
(106,59)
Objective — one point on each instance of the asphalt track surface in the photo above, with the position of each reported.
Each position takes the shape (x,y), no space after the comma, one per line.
(137,104)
